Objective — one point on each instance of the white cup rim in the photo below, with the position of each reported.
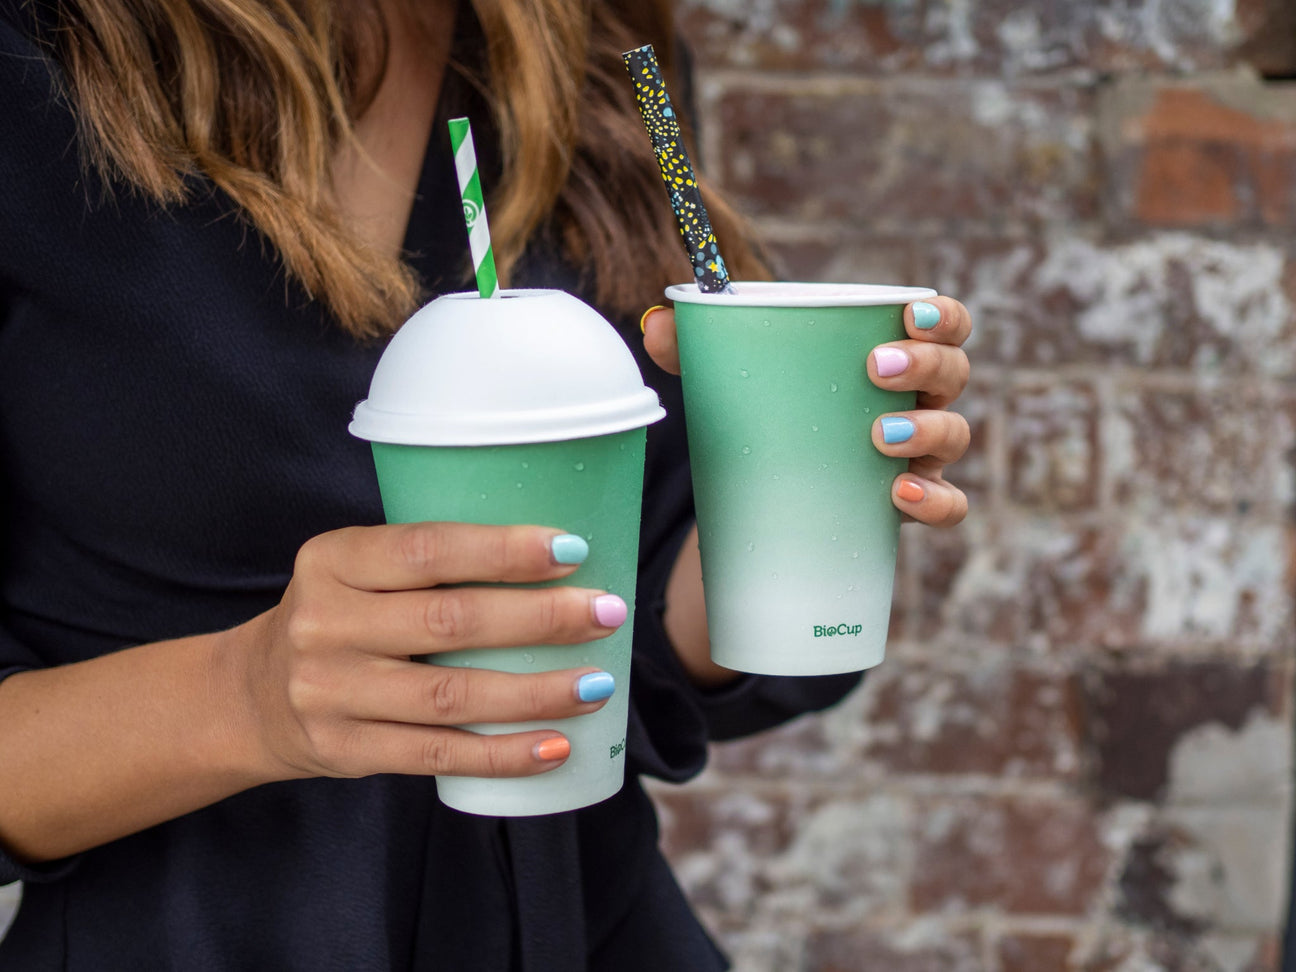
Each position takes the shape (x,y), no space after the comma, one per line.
(762,293)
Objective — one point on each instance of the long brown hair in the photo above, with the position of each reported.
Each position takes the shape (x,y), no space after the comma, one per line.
(257,94)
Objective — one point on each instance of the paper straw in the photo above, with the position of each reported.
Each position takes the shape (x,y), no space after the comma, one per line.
(677,172)
(474,207)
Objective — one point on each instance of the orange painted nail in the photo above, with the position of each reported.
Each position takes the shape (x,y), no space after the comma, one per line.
(909,491)
(643,321)
(554,748)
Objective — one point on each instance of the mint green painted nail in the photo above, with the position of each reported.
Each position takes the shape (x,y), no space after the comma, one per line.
(569,549)
(925,315)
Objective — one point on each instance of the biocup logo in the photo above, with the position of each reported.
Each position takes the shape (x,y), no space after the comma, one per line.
(833,630)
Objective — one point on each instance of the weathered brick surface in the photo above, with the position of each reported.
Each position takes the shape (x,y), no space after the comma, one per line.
(893,153)
(1078,753)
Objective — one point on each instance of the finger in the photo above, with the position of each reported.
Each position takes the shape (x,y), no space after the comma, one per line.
(418,555)
(933,502)
(658,326)
(378,747)
(938,372)
(404,623)
(942,320)
(432,695)
(942,436)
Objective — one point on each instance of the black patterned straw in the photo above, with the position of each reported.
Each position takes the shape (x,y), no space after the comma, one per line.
(677,172)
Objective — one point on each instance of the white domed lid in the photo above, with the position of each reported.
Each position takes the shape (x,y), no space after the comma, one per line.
(528,366)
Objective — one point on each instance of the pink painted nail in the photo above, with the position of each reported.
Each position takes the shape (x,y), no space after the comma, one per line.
(890,361)
(610,611)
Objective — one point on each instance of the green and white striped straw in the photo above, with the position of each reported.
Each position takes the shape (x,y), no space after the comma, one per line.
(474,207)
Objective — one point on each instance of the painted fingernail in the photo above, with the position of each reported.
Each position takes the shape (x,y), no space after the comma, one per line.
(610,611)
(895,429)
(567,549)
(643,321)
(595,687)
(909,491)
(925,315)
(551,749)
(890,362)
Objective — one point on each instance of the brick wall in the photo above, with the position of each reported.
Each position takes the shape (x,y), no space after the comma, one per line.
(1078,754)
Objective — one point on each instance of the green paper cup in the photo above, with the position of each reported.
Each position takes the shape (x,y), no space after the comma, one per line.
(797,530)
(528,409)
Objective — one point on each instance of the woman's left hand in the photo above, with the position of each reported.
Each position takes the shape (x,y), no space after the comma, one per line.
(932,363)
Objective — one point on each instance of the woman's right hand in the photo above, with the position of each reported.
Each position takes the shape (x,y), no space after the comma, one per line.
(331,687)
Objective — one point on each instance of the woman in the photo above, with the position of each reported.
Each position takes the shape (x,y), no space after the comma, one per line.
(214,750)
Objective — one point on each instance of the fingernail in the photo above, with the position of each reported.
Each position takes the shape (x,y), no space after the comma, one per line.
(553,748)
(909,491)
(567,548)
(890,361)
(895,429)
(925,315)
(643,321)
(595,687)
(610,611)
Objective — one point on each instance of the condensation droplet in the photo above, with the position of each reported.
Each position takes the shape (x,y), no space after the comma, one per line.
(750,546)
(528,657)
(744,372)
(834,539)
(867,410)
(579,467)
(774,576)
(855,555)
(519,485)
(746,450)
(814,428)
(833,386)
(765,323)
(526,465)
(483,495)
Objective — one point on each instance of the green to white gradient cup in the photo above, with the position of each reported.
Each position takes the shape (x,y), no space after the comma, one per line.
(523,409)
(798,533)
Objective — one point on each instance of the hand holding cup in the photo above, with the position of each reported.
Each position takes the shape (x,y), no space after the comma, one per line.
(933,364)
(331,681)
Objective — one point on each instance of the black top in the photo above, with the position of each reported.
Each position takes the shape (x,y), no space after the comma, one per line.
(172,427)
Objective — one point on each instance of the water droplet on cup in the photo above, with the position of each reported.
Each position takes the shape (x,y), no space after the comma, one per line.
(746,450)
(855,555)
(774,575)
(750,546)
(744,372)
(833,386)
(483,495)
(519,485)
(526,465)
(528,657)
(765,323)
(834,539)
(579,467)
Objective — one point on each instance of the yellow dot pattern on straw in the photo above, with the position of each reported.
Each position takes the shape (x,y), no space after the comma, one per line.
(677,171)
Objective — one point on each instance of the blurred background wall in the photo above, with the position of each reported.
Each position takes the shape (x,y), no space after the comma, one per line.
(1078,754)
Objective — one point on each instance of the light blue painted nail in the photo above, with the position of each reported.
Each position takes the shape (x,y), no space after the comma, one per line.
(569,549)
(926,316)
(896,429)
(595,687)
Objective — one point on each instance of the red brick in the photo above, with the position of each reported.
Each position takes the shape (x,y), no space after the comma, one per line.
(869,153)
(1203,153)
(1134,718)
(1034,953)
(1053,454)
(898,950)
(993,719)
(998,36)
(1165,301)
(1198,449)
(1020,856)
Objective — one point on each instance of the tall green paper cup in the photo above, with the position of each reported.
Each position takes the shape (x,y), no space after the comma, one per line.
(523,409)
(797,530)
